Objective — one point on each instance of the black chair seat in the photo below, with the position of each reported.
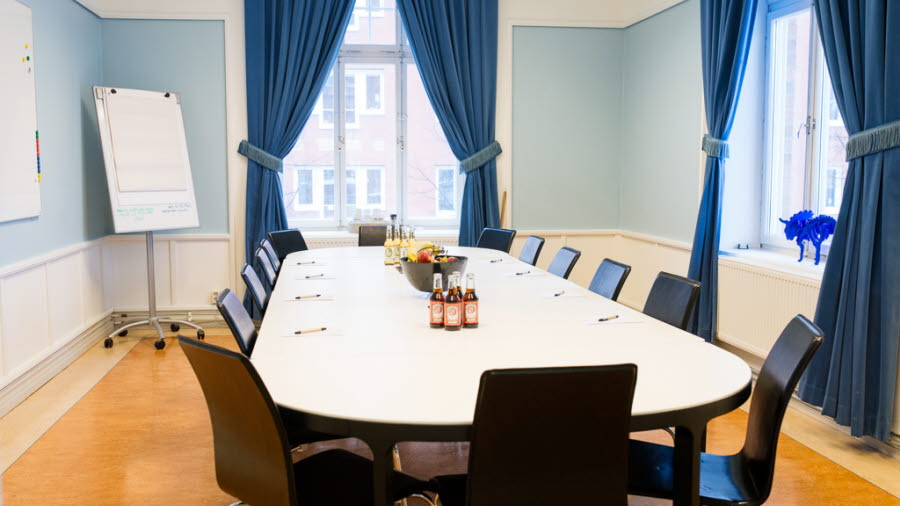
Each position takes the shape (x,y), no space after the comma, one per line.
(341,478)
(722,480)
(451,488)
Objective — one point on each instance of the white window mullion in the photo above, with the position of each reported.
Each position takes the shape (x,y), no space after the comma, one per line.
(340,117)
(400,173)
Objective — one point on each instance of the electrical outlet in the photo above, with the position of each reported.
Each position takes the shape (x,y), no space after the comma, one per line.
(190,316)
(213,297)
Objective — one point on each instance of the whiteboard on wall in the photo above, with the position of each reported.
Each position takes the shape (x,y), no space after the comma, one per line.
(147,165)
(20,192)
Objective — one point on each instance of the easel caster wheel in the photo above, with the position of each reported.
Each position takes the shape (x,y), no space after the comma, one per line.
(123,333)
(201,335)
(108,342)
(159,344)
(175,327)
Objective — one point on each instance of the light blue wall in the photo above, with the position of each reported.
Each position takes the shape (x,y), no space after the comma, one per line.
(662,124)
(566,100)
(187,57)
(74,202)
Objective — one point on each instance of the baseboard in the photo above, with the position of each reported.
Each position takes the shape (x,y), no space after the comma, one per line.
(34,378)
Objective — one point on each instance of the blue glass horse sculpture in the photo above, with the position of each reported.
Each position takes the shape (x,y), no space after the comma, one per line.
(804,227)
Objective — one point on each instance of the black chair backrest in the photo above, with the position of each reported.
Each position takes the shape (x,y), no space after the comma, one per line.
(564,261)
(286,242)
(609,278)
(551,436)
(257,290)
(268,270)
(253,462)
(672,299)
(267,246)
(776,382)
(499,239)
(238,320)
(532,249)
(372,235)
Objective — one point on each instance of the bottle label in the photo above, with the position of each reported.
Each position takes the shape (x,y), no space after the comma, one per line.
(452,316)
(436,307)
(396,254)
(472,312)
(388,252)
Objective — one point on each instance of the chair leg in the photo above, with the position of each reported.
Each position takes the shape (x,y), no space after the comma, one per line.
(671,432)
(397,466)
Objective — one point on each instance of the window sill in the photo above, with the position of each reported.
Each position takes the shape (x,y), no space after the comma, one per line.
(784,261)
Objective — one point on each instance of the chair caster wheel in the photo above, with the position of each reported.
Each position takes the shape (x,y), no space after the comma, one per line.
(201,335)
(175,327)
(159,344)
(108,342)
(123,333)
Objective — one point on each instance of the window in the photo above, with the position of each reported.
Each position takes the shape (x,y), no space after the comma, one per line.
(373,145)
(804,132)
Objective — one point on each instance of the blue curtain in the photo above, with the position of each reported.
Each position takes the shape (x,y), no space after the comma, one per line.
(454,43)
(852,377)
(290,48)
(725,32)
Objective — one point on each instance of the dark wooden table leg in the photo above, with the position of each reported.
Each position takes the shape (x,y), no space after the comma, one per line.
(383,466)
(688,441)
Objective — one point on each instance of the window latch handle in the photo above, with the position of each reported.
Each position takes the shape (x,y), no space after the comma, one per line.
(809,125)
(340,142)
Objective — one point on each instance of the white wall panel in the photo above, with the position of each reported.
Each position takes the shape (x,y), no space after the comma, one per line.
(198,269)
(64,296)
(24,318)
(92,284)
(125,272)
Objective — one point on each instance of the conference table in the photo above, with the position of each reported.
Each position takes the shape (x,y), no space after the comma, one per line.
(380,373)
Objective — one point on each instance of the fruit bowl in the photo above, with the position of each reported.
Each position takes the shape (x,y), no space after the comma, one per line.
(421,275)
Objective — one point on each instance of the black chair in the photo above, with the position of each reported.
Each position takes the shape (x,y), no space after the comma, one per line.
(286,242)
(238,320)
(257,290)
(746,477)
(672,299)
(609,279)
(273,257)
(532,249)
(252,455)
(268,270)
(547,436)
(499,239)
(372,235)
(564,261)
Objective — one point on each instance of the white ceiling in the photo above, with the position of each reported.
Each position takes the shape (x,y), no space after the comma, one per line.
(606,13)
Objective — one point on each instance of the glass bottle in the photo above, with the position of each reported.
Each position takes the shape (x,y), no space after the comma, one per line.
(388,246)
(436,303)
(470,304)
(452,307)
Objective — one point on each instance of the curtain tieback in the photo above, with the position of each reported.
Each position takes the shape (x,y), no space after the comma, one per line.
(873,140)
(261,157)
(482,157)
(716,148)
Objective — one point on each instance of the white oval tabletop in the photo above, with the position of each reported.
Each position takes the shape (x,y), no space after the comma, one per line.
(379,360)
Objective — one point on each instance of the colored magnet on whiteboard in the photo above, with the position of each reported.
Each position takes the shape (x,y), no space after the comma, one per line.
(23,59)
(27,58)
(26,46)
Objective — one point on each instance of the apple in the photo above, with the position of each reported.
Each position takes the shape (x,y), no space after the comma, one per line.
(424,257)
(452,259)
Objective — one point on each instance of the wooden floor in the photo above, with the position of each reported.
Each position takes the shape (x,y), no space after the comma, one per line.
(142,436)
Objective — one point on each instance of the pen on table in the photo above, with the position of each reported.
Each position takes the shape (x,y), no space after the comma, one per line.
(559,293)
(309,331)
(308,262)
(523,273)
(319,275)
(496,260)
(299,297)
(607,318)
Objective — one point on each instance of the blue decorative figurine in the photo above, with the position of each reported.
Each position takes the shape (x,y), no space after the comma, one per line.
(803,227)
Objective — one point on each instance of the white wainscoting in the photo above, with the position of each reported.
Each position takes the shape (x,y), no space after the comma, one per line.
(54,307)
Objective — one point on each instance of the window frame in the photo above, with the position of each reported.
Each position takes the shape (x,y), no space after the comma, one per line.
(771,235)
(400,56)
